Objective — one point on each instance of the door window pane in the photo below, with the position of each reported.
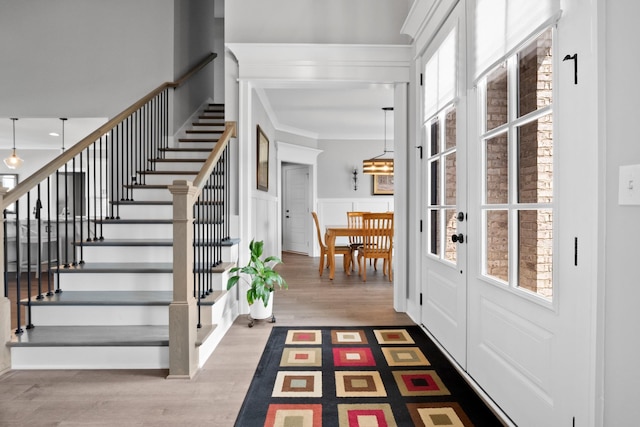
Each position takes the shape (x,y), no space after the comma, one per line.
(535,71)
(497,169)
(535,161)
(497,244)
(497,98)
(434,173)
(450,179)
(450,128)
(435,138)
(451,225)
(535,251)
(434,232)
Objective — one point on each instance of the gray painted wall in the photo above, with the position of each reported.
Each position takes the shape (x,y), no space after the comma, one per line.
(622,234)
(335,168)
(86,58)
(94,58)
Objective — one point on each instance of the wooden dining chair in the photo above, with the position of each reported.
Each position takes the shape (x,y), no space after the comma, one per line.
(377,242)
(344,250)
(354,220)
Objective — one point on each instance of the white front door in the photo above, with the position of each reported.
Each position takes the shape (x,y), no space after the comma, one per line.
(296,217)
(444,254)
(526,338)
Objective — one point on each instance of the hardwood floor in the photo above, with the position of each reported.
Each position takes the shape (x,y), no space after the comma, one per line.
(214,396)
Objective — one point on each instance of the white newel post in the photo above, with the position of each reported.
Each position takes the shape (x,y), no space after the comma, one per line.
(5,306)
(183,355)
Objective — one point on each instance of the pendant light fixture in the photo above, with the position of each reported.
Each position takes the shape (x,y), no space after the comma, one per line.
(379,165)
(13,161)
(63,119)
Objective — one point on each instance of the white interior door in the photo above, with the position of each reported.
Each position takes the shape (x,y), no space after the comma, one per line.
(444,263)
(296,216)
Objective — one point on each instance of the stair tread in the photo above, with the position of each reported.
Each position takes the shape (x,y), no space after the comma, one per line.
(127,242)
(110,298)
(168,172)
(130,267)
(200,160)
(101,298)
(186,150)
(133,221)
(67,336)
(120,267)
(143,202)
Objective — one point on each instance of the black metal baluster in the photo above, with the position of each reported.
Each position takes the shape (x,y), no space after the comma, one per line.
(74,214)
(58,235)
(6,255)
(101,199)
(28,314)
(113,176)
(95,195)
(66,217)
(85,205)
(49,259)
(37,208)
(19,329)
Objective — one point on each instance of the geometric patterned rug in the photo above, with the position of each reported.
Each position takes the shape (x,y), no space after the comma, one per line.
(358,377)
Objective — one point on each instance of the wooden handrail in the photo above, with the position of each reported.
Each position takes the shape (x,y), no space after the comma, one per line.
(25,186)
(214,156)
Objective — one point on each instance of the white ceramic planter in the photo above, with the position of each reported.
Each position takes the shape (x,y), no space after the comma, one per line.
(258,311)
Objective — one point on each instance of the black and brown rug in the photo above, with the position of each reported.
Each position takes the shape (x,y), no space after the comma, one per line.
(358,377)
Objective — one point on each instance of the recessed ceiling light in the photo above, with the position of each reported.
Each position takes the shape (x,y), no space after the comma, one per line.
(54,134)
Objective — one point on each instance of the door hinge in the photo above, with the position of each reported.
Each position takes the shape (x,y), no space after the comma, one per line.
(419,147)
(575,251)
(421,82)
(420,298)
(421,226)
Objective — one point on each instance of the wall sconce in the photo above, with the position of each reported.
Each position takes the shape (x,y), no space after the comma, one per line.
(355,179)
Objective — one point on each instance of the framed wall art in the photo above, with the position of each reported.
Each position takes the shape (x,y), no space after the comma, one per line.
(262,166)
(382,185)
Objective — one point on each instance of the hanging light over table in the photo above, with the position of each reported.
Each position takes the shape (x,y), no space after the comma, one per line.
(379,165)
(13,161)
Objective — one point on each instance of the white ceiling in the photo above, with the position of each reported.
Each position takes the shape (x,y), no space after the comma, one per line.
(330,112)
(33,133)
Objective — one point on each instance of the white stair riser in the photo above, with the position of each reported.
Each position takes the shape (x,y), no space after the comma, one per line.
(187,154)
(146,211)
(137,231)
(167,179)
(203,145)
(116,281)
(128,254)
(151,194)
(100,315)
(179,166)
(99,357)
(210,131)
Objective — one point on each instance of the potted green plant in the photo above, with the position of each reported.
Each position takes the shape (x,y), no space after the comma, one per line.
(264,279)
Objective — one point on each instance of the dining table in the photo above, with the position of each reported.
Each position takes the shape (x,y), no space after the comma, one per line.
(333,231)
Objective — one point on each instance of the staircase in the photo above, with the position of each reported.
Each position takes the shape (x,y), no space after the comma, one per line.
(113,308)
